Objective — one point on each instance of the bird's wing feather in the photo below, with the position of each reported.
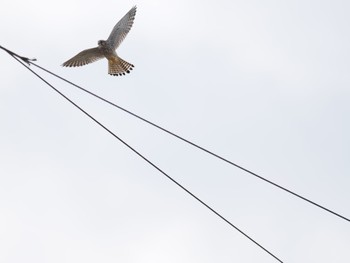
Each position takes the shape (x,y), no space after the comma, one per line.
(122,28)
(85,57)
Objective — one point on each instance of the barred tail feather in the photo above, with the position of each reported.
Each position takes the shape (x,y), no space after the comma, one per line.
(118,66)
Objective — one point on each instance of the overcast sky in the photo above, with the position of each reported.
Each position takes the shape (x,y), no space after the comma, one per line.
(265,84)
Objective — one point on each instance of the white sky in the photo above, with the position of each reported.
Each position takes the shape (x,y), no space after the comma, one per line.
(262,83)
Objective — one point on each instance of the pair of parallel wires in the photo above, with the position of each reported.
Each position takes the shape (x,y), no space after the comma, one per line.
(26,62)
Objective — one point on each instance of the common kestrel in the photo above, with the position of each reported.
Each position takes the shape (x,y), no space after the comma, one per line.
(106,48)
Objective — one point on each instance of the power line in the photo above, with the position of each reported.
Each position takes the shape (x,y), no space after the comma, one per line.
(140,155)
(198,146)
(13,54)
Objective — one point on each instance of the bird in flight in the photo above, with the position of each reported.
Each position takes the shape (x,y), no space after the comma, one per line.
(106,49)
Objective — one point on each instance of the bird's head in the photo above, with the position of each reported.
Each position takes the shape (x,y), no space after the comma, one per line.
(101,43)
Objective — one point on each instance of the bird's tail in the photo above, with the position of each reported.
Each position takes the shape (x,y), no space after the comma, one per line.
(118,66)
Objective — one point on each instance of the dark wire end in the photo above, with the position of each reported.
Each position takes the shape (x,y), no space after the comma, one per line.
(24,59)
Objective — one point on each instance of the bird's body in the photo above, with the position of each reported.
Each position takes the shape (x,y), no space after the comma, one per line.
(106,49)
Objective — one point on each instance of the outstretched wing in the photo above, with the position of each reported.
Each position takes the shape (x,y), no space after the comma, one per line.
(121,29)
(85,57)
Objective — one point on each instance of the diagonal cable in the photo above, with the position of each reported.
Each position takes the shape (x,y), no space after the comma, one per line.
(197,146)
(148,161)
(29,61)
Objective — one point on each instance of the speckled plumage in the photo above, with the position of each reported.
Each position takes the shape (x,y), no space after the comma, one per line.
(106,49)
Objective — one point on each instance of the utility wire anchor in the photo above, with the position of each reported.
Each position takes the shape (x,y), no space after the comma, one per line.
(24,59)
